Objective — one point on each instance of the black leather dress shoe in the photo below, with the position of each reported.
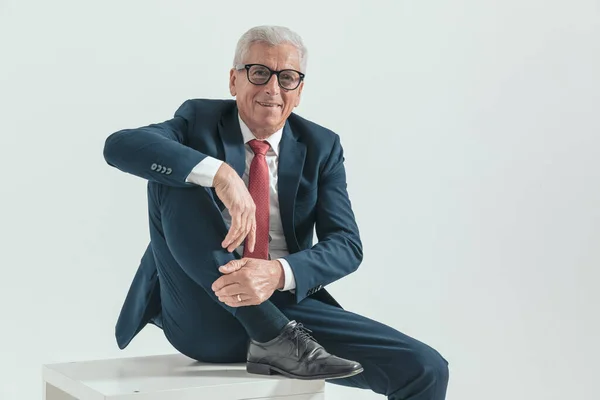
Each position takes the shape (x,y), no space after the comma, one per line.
(295,354)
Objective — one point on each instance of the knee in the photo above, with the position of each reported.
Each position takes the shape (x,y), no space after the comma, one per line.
(423,371)
(435,366)
(192,209)
(197,197)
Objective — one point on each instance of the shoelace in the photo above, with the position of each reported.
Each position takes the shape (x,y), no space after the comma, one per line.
(300,333)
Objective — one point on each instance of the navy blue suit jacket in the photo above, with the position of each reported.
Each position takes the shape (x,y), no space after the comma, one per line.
(311,189)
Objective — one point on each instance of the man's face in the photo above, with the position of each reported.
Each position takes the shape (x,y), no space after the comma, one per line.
(264,108)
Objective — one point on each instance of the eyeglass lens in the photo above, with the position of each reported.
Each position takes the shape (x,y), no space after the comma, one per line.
(259,75)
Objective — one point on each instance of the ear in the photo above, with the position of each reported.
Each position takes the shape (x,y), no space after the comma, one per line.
(232,79)
(297,103)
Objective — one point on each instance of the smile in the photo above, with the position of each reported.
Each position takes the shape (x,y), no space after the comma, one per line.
(268,104)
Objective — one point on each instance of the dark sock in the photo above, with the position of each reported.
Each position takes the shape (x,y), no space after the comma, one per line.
(262,322)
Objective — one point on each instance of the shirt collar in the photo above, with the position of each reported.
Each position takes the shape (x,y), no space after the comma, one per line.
(273,140)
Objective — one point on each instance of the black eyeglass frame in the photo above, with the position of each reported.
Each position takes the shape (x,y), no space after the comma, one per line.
(271,73)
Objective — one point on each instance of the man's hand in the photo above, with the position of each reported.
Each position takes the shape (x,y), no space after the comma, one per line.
(254,280)
(232,191)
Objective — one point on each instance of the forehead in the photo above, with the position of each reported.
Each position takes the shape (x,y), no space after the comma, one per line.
(277,57)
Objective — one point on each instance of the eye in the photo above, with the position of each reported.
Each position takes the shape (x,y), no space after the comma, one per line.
(287,76)
(259,72)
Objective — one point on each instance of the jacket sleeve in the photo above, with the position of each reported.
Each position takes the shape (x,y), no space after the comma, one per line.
(339,249)
(157,152)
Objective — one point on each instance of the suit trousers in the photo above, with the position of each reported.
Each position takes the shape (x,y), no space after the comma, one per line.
(187,228)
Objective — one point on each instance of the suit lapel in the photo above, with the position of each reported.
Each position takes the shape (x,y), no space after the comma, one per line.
(233,141)
(291,160)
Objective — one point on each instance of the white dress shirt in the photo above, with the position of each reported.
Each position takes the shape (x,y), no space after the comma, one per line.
(204,173)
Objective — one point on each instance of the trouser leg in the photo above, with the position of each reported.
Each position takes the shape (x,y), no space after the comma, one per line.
(187,229)
(395,365)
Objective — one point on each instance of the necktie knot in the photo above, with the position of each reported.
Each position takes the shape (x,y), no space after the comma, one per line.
(259,146)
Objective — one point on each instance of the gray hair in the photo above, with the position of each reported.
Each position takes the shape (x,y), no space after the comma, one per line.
(273,35)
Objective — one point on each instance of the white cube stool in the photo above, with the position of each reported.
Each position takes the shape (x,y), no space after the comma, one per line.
(172,377)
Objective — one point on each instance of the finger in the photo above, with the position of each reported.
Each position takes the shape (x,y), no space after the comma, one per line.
(229,301)
(232,266)
(230,235)
(228,268)
(233,230)
(251,233)
(233,301)
(243,229)
(222,282)
(239,234)
(250,215)
(237,240)
(230,290)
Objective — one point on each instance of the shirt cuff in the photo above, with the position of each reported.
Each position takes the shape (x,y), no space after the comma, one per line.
(289,279)
(204,173)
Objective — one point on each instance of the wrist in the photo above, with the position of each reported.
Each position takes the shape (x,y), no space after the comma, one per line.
(223,174)
(279,274)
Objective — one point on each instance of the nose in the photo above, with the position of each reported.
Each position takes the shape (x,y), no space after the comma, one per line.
(272,86)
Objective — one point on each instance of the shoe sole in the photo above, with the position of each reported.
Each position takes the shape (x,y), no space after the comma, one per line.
(264,369)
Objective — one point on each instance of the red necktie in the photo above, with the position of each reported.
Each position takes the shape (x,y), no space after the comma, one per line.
(258,186)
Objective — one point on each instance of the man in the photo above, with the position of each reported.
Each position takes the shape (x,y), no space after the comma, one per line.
(235,190)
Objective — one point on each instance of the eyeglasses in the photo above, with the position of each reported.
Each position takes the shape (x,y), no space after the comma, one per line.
(259,74)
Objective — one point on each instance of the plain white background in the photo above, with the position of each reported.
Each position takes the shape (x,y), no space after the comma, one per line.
(471,135)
